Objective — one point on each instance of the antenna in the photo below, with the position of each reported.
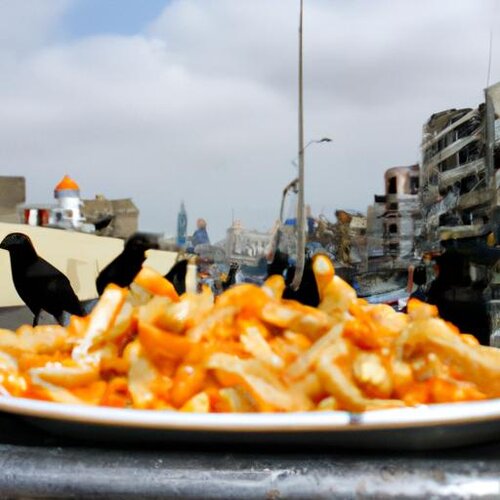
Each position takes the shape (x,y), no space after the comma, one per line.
(489,59)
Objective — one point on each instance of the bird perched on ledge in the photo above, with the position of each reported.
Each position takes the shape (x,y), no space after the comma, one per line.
(122,270)
(39,284)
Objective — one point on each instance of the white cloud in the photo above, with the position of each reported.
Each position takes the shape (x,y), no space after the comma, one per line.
(202,106)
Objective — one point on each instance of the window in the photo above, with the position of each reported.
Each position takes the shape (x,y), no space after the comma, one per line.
(448,164)
(393,228)
(414,182)
(469,153)
(392,187)
(393,248)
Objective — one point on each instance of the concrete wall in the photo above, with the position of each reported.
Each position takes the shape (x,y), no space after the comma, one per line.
(80,256)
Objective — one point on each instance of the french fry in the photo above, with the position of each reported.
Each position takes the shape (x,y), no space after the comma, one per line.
(155,283)
(188,380)
(143,378)
(198,404)
(342,388)
(68,375)
(274,286)
(304,363)
(269,393)
(236,400)
(291,315)
(163,344)
(477,364)
(101,320)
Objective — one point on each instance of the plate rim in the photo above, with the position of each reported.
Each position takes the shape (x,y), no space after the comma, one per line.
(319,421)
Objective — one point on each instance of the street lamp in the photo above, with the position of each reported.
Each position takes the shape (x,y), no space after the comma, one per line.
(312,141)
(317,141)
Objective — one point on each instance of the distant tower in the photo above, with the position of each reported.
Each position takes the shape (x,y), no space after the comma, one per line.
(68,213)
(182,226)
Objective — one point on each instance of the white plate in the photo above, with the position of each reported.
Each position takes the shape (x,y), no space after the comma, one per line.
(424,427)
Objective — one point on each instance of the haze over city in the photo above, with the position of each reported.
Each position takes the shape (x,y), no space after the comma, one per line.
(196,100)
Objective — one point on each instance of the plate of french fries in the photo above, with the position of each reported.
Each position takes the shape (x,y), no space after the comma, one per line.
(147,363)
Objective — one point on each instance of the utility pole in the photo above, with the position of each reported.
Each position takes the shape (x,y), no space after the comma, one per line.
(301,241)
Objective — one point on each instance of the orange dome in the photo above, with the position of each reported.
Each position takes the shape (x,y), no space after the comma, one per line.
(67,183)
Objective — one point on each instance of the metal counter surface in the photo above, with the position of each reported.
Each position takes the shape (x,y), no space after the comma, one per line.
(34,464)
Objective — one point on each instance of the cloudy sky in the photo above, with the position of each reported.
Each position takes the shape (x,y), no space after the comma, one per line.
(196,100)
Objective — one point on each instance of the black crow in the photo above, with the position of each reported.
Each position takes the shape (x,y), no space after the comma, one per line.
(122,270)
(38,283)
(103,222)
(231,276)
(177,276)
(279,264)
(307,293)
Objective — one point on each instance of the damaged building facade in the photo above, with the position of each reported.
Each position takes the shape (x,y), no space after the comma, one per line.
(455,181)
(394,219)
(460,208)
(492,159)
(492,153)
(401,220)
(460,179)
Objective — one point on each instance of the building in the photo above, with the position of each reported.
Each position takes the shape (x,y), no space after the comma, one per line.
(246,246)
(395,218)
(123,215)
(375,227)
(455,184)
(65,213)
(492,161)
(350,237)
(12,194)
(116,218)
(461,208)
(68,211)
(401,219)
(492,152)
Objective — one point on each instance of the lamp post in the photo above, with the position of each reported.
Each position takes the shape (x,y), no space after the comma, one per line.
(299,268)
(301,234)
(312,141)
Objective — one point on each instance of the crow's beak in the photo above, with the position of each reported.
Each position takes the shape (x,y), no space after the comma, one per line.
(152,243)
